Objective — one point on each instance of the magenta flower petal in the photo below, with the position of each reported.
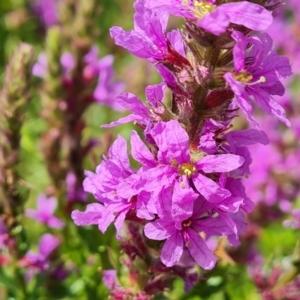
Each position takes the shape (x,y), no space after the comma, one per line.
(159,230)
(90,216)
(183,201)
(210,190)
(140,152)
(250,15)
(200,252)
(220,163)
(171,149)
(172,250)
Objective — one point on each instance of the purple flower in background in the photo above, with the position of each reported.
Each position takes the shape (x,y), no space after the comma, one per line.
(39,262)
(74,192)
(216,18)
(110,279)
(4,237)
(45,10)
(107,87)
(44,212)
(257,76)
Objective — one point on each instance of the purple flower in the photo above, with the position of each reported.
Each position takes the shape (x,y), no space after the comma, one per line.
(114,207)
(147,40)
(110,279)
(216,18)
(45,11)
(182,232)
(256,76)
(107,87)
(75,192)
(4,237)
(140,112)
(175,161)
(44,212)
(39,262)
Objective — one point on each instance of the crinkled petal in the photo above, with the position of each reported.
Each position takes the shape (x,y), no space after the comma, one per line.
(215,22)
(220,163)
(210,190)
(172,141)
(152,180)
(183,201)
(247,137)
(90,216)
(144,211)
(140,152)
(269,106)
(250,15)
(134,42)
(172,250)
(200,252)
(118,154)
(242,98)
(159,230)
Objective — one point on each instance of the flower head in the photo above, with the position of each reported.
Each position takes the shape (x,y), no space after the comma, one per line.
(257,76)
(45,212)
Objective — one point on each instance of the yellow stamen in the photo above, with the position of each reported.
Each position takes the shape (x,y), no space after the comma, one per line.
(245,78)
(187,169)
(200,9)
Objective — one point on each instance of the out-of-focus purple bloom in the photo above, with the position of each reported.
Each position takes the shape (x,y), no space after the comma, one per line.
(286,21)
(40,67)
(274,179)
(46,11)
(110,279)
(107,87)
(216,18)
(39,262)
(44,212)
(257,76)
(74,192)
(4,237)
(295,222)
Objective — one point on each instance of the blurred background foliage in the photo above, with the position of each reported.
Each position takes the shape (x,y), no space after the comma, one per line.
(84,250)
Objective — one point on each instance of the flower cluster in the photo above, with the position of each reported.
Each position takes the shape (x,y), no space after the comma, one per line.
(188,188)
(100,69)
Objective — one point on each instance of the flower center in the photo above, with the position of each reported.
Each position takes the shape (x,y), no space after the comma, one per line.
(245,78)
(200,9)
(187,169)
(186,223)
